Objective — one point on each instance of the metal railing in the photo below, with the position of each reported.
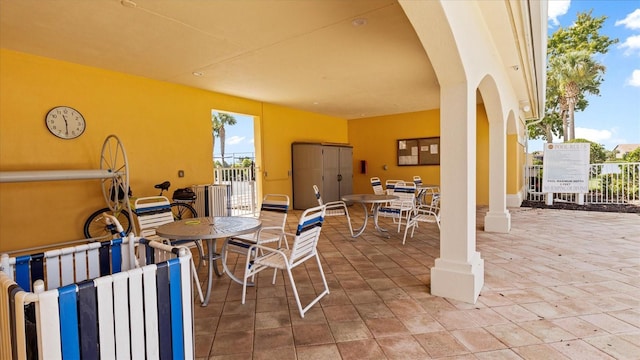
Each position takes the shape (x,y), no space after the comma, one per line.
(241,181)
(609,183)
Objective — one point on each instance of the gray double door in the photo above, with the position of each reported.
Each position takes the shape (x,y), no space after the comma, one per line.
(328,166)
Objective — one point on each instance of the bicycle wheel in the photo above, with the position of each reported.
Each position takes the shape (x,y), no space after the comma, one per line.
(183,211)
(96,227)
(114,159)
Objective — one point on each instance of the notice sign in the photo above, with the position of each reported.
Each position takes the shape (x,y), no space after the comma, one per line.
(566,168)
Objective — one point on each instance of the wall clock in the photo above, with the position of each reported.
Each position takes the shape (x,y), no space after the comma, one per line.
(65,122)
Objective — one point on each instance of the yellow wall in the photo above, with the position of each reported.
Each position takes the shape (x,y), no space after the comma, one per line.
(164,127)
(515,164)
(375,140)
(482,156)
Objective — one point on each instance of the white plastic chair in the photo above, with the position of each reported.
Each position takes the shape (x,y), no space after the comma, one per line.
(334,208)
(304,247)
(273,216)
(425,214)
(401,208)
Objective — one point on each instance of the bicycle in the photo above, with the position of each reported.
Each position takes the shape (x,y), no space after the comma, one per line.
(181,208)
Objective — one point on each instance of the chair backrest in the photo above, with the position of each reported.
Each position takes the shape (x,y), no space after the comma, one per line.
(405,192)
(391,184)
(151,212)
(417,180)
(318,196)
(376,184)
(307,234)
(274,209)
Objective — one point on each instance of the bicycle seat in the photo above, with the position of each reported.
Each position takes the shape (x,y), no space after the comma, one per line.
(164,186)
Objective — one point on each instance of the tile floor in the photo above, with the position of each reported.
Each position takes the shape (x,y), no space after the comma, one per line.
(561,285)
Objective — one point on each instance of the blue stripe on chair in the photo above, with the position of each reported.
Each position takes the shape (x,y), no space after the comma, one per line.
(88,320)
(103,256)
(164,310)
(153,210)
(389,210)
(22,272)
(309,224)
(275,207)
(239,243)
(37,267)
(116,256)
(69,337)
(407,190)
(177,326)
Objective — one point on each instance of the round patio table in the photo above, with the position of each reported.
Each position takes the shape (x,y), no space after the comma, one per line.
(365,199)
(210,229)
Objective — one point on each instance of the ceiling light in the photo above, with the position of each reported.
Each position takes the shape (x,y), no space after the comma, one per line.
(197,73)
(359,22)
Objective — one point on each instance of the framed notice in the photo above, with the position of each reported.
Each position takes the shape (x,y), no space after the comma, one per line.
(419,151)
(566,168)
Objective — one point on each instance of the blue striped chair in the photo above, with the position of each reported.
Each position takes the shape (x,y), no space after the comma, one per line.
(304,247)
(401,209)
(273,216)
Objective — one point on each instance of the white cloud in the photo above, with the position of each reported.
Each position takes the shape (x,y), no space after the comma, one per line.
(595,135)
(632,21)
(631,45)
(634,80)
(234,140)
(557,8)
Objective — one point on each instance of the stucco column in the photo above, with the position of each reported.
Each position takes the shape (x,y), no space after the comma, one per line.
(498,218)
(459,271)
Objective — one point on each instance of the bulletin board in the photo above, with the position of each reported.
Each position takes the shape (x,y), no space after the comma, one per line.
(419,151)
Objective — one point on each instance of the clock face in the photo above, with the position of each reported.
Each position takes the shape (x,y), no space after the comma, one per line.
(65,122)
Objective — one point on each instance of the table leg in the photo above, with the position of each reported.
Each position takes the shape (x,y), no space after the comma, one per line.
(211,244)
(359,231)
(375,221)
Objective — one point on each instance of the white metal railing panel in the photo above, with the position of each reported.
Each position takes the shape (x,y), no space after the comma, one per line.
(609,183)
(242,187)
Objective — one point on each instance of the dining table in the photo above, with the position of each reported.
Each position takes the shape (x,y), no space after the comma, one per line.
(210,229)
(376,200)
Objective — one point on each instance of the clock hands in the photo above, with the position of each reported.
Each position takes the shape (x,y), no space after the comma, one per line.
(66,125)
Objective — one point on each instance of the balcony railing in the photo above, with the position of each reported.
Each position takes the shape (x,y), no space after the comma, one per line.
(609,183)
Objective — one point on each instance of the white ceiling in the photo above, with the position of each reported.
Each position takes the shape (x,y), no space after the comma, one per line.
(303,54)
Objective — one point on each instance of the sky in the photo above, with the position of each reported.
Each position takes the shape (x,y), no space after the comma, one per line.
(611,119)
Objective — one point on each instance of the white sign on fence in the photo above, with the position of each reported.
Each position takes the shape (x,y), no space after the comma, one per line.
(566,168)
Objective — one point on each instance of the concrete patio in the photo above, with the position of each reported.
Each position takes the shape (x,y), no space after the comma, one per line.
(561,285)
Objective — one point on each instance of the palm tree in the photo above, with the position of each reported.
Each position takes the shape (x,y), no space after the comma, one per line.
(575,72)
(219,120)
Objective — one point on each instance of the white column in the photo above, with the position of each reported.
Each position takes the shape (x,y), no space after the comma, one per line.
(498,218)
(459,271)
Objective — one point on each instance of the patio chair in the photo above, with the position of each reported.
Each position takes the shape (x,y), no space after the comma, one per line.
(273,215)
(334,208)
(425,214)
(401,208)
(153,211)
(304,247)
(390,184)
(376,184)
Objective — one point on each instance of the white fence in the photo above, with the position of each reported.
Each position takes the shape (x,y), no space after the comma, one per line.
(242,187)
(609,183)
